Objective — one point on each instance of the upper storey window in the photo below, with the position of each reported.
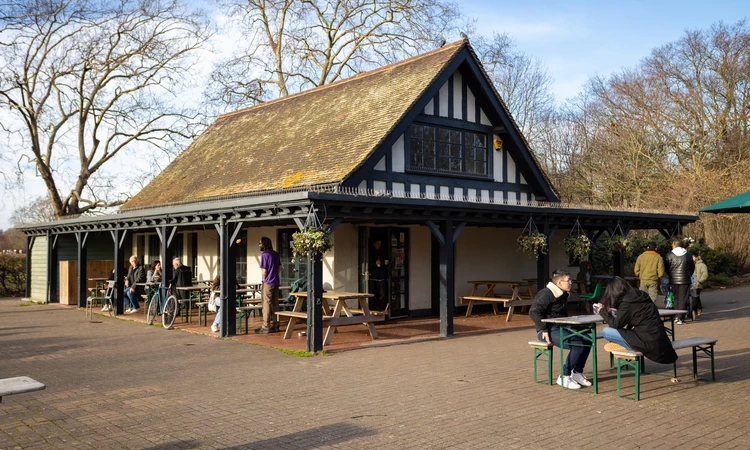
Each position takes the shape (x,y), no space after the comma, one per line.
(448,150)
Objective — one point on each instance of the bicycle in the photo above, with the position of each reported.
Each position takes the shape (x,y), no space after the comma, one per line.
(166,307)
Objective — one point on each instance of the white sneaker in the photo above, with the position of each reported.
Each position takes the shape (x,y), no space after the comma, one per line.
(215,328)
(104,308)
(134,310)
(579,378)
(567,383)
(129,310)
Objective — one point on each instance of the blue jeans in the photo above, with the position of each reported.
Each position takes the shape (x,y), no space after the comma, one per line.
(217,319)
(579,351)
(612,335)
(131,299)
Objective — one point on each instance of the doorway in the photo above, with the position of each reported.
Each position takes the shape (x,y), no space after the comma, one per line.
(394,248)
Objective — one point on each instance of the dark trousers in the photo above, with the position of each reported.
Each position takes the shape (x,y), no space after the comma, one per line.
(579,350)
(379,289)
(681,297)
(697,301)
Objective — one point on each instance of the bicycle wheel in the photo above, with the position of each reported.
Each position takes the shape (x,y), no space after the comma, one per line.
(169,313)
(153,306)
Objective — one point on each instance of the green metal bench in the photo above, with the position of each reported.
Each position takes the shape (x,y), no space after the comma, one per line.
(542,349)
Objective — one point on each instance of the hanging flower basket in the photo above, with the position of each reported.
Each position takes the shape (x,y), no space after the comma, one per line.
(533,242)
(577,246)
(311,240)
(687,242)
(617,243)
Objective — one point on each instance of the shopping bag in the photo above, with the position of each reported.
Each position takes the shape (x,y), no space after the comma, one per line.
(669,300)
(212,302)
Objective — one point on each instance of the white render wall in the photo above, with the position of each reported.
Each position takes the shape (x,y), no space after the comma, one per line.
(491,254)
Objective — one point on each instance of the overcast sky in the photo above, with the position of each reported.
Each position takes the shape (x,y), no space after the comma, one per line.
(575,39)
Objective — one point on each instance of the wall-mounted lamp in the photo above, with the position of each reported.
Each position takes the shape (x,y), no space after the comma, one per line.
(497,143)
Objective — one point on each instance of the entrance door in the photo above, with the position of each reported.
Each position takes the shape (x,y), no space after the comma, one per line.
(395,243)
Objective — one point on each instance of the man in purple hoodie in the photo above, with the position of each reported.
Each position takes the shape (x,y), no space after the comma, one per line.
(270,266)
(680,267)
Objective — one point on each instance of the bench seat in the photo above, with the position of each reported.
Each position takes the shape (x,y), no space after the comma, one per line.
(542,349)
(634,359)
(19,385)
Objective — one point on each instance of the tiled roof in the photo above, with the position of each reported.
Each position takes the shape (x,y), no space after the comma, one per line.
(315,137)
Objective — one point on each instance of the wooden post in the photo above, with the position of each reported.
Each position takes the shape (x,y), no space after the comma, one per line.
(447,280)
(542,262)
(314,302)
(228,270)
(52,269)
(618,262)
(81,238)
(29,247)
(119,289)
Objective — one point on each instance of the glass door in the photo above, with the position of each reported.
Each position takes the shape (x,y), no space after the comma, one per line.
(399,271)
(390,279)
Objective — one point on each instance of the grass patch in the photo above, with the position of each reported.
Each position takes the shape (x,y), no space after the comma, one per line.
(303,353)
(22,304)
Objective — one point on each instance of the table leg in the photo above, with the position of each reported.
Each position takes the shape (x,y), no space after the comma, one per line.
(469,308)
(367,314)
(595,370)
(293,320)
(332,329)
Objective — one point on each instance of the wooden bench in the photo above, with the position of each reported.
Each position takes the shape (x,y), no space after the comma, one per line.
(633,359)
(508,302)
(541,348)
(19,385)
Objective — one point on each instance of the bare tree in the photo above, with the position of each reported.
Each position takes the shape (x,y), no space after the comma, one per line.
(292,45)
(85,79)
(523,83)
(38,210)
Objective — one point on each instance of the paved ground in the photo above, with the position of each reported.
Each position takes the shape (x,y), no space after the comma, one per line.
(121,384)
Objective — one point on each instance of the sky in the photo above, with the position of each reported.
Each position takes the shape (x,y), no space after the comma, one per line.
(575,39)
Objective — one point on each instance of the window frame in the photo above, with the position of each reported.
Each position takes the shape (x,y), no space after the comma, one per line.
(449,173)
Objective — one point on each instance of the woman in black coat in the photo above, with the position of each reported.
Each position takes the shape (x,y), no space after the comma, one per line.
(634,322)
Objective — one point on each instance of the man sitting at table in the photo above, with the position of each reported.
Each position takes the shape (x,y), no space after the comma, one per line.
(132,291)
(551,302)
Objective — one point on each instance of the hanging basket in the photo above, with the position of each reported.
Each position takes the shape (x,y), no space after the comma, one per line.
(312,238)
(618,243)
(577,245)
(532,240)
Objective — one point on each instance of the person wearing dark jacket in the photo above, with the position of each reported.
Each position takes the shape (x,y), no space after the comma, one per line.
(680,267)
(633,322)
(181,277)
(551,302)
(133,291)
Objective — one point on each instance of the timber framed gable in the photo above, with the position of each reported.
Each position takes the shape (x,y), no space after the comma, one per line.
(462,106)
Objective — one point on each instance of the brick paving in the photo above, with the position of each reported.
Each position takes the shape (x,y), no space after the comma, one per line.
(121,384)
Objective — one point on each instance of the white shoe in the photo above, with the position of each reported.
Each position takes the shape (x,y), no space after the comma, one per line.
(567,383)
(215,328)
(129,310)
(579,378)
(104,308)
(134,310)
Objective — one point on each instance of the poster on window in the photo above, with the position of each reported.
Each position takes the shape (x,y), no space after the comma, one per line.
(398,257)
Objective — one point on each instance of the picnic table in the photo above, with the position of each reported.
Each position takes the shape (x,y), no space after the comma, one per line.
(585,327)
(340,315)
(522,294)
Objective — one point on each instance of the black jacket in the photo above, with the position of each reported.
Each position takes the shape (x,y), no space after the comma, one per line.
(136,275)
(546,306)
(680,268)
(637,319)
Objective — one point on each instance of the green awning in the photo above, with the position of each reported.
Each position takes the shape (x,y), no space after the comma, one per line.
(737,204)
